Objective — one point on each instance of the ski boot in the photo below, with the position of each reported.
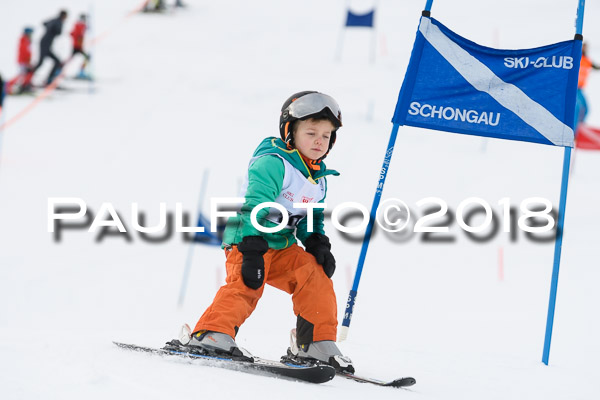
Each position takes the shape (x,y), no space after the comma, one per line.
(208,343)
(83,76)
(321,352)
(26,89)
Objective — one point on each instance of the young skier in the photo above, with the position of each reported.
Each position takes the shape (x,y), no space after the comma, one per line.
(22,82)
(78,34)
(285,170)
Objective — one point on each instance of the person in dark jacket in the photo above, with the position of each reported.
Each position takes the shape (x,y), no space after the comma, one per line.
(53,29)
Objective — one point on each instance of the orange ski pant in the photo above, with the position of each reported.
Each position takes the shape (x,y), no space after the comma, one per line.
(292,270)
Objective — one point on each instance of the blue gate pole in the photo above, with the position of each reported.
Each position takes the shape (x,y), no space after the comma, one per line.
(560,224)
(557,253)
(190,255)
(428,5)
(365,245)
(343,334)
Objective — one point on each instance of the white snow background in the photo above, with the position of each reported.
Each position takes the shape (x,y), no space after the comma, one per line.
(196,89)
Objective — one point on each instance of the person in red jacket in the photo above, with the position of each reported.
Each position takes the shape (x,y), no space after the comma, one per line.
(78,34)
(24,57)
(586,65)
(22,82)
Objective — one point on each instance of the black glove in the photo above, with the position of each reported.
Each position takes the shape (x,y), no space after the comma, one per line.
(318,245)
(253,265)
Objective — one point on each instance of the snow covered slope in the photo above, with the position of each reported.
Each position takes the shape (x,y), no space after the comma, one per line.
(195,90)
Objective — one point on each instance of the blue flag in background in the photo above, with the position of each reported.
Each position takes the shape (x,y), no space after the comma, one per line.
(363,20)
(208,237)
(455,85)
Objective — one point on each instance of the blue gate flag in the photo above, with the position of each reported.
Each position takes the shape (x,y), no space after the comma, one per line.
(453,84)
(365,20)
(208,237)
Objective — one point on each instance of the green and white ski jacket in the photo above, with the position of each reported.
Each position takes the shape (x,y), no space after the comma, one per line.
(276,174)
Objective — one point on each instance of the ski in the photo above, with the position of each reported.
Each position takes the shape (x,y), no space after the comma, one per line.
(30,93)
(291,359)
(397,383)
(253,365)
(85,78)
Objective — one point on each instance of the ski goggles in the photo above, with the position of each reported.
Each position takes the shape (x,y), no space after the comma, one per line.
(314,103)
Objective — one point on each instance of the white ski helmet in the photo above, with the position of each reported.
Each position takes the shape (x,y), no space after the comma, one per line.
(305,105)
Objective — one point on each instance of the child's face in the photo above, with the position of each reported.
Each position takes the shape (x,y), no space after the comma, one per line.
(311,137)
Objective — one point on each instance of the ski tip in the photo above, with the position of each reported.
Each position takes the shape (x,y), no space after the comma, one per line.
(133,347)
(326,374)
(329,369)
(125,345)
(403,382)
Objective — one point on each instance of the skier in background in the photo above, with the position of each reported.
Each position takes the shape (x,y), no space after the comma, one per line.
(285,170)
(1,94)
(581,107)
(53,29)
(78,34)
(22,82)
(154,6)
